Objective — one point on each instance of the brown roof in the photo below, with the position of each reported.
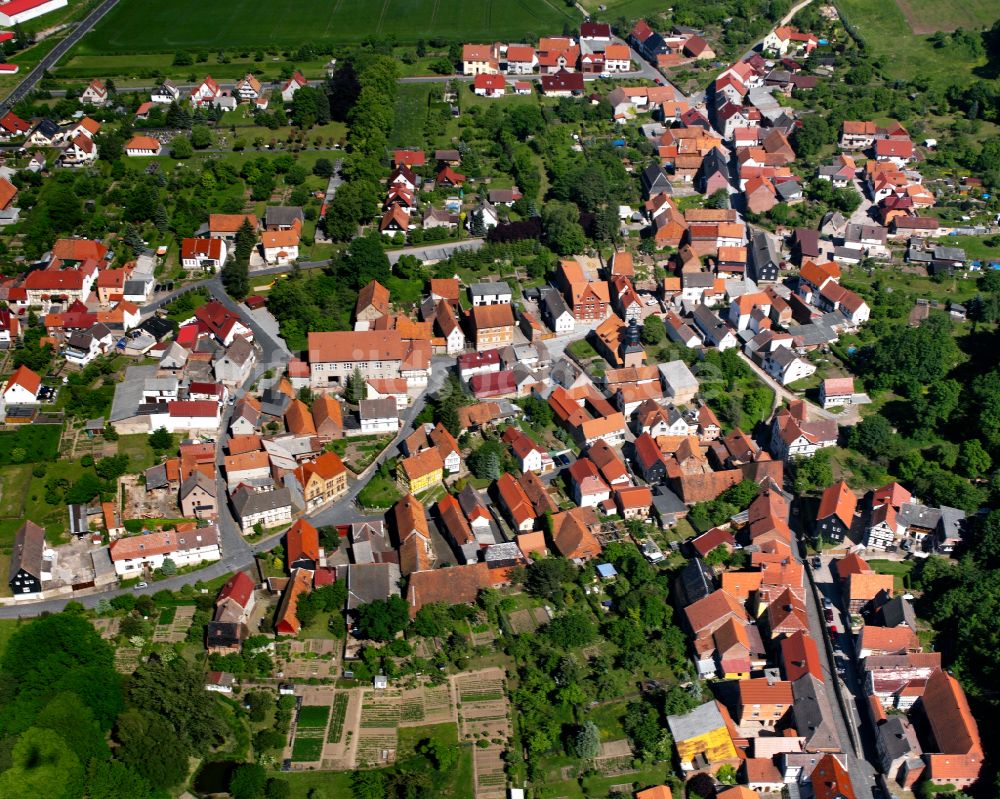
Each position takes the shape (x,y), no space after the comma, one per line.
(713,610)
(947,711)
(479,414)
(374,294)
(410,517)
(571,535)
(29,548)
(537,493)
(453,585)
(237,445)
(489,316)
(366,345)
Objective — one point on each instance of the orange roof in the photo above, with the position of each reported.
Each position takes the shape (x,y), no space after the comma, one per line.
(713,609)
(485,317)
(868,586)
(422,464)
(634,497)
(831,781)
(838,500)
(7,192)
(298,419)
(143,143)
(230,223)
(410,517)
(375,295)
(326,466)
(89,125)
(244,443)
(889,640)
(947,711)
(532,542)
(513,496)
(450,513)
(852,564)
(26,379)
(280,238)
(656,792)
(245,461)
(326,409)
(302,541)
(741,584)
(287,620)
(760,691)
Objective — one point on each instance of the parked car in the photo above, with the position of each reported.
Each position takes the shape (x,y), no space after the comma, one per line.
(827,603)
(817,562)
(828,614)
(833,629)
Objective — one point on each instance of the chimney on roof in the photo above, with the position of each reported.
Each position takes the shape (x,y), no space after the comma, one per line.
(772,676)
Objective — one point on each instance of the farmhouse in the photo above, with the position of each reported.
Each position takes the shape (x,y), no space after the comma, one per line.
(208,254)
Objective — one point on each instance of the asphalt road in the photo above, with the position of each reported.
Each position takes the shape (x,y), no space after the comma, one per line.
(214,284)
(30,80)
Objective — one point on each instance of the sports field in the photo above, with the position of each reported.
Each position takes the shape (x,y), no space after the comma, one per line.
(930,16)
(144,26)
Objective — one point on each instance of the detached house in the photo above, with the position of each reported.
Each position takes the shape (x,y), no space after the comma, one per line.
(323,480)
(292,85)
(96,93)
(280,246)
(479,59)
(489,85)
(206,254)
(248,88)
(143,146)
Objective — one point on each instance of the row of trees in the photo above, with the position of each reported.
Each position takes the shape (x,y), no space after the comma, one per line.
(371,81)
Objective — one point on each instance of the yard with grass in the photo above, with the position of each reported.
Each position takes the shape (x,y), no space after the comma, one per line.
(29,444)
(7,629)
(899,569)
(139,27)
(411,114)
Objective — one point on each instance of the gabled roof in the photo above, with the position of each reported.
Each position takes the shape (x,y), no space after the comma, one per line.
(838,500)
(238,588)
(302,542)
(26,379)
(800,656)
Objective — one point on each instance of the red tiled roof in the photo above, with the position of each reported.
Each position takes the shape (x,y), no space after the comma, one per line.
(838,500)
(239,588)
(302,541)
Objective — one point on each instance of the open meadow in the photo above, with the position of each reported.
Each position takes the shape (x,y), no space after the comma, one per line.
(888,33)
(142,26)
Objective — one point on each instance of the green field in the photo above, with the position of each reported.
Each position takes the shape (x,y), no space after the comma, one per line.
(40,442)
(905,54)
(142,26)
(928,16)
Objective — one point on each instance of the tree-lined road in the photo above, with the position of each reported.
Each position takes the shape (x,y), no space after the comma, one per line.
(27,85)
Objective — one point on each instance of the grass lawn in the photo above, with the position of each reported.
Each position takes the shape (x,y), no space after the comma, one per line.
(136,446)
(608,719)
(327,783)
(135,26)
(39,442)
(899,570)
(411,115)
(14,481)
(409,737)
(975,247)
(7,628)
(906,54)
(379,493)
(314,716)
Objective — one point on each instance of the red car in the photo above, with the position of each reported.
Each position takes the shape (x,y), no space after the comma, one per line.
(833,629)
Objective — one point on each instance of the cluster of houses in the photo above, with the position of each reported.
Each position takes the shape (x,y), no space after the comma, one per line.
(889,519)
(924,729)
(750,631)
(774,718)
(562,62)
